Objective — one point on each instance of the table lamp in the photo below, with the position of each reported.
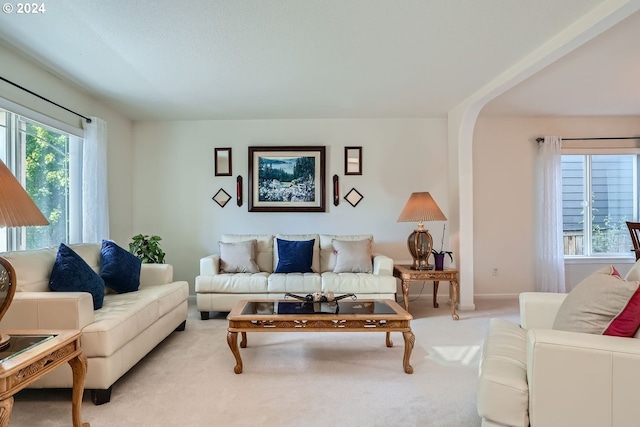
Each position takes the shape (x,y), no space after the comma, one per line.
(420,207)
(16,210)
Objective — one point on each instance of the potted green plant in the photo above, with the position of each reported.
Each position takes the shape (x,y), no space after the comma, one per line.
(147,248)
(438,256)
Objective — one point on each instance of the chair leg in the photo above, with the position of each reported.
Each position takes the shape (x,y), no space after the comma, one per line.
(204,315)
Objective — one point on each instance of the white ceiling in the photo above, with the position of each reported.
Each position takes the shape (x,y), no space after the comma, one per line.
(255,59)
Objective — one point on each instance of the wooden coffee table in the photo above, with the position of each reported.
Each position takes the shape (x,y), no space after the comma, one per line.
(34,353)
(353,316)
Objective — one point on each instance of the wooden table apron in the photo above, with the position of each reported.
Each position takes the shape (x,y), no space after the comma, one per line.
(407,275)
(21,370)
(319,323)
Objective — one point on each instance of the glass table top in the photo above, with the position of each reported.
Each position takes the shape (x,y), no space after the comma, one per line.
(303,307)
(18,344)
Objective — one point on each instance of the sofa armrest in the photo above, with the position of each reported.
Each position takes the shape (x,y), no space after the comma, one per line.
(538,309)
(578,379)
(210,265)
(382,265)
(156,274)
(49,310)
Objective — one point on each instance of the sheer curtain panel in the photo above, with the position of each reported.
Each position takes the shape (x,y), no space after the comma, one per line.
(549,244)
(95,205)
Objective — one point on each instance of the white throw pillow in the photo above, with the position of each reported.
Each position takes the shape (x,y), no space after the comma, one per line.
(353,256)
(238,257)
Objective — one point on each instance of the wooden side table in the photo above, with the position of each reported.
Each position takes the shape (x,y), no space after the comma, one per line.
(406,275)
(34,353)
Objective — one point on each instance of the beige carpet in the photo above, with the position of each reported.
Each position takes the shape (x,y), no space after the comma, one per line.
(293,379)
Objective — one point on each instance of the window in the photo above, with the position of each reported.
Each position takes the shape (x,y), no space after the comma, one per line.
(599,194)
(46,161)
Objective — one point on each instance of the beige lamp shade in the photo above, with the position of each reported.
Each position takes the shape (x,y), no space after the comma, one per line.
(419,208)
(16,207)
(16,210)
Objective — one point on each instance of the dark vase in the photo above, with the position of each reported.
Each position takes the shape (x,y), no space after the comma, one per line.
(439,260)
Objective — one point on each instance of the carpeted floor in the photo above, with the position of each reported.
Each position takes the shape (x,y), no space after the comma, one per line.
(293,379)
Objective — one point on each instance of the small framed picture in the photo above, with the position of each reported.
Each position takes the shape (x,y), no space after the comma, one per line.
(353,160)
(222,160)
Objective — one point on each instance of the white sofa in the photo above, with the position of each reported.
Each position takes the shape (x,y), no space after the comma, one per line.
(533,375)
(114,337)
(217,291)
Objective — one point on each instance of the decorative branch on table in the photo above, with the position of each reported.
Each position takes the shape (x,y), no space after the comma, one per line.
(442,252)
(320,297)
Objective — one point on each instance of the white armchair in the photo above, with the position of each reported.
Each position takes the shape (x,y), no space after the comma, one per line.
(534,375)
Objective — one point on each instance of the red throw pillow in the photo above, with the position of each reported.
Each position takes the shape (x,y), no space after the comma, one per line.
(627,322)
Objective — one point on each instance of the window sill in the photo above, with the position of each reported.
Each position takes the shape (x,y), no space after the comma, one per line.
(600,260)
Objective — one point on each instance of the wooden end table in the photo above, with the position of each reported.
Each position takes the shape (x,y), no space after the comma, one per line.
(406,275)
(34,353)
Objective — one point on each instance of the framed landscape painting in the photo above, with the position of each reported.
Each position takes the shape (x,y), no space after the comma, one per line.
(287,179)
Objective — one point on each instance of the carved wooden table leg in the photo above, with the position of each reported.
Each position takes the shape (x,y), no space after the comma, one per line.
(79,369)
(455,294)
(436,283)
(5,411)
(405,294)
(409,341)
(232,340)
(389,342)
(243,340)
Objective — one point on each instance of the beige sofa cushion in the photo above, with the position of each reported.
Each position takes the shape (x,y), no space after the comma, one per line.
(233,283)
(327,253)
(297,283)
(124,316)
(264,248)
(503,391)
(353,256)
(358,283)
(238,257)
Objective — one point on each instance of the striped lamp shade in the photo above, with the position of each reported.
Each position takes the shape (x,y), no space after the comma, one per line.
(16,207)
(421,207)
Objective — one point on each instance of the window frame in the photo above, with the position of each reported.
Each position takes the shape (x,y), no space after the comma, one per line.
(582,151)
(14,238)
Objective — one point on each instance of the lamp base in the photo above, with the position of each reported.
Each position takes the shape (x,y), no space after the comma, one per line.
(4,341)
(420,244)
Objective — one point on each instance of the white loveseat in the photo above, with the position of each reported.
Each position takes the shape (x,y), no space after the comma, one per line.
(219,291)
(531,374)
(114,337)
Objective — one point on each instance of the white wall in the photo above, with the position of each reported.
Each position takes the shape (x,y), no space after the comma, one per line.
(18,69)
(504,197)
(174,181)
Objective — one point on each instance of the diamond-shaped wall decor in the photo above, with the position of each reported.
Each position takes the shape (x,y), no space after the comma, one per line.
(221,198)
(353,197)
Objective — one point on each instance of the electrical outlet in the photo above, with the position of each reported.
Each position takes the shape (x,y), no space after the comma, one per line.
(495,272)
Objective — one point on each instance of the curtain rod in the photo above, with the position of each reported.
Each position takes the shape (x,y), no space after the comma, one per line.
(593,139)
(45,99)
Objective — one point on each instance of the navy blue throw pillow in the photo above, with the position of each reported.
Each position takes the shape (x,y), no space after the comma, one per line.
(119,268)
(295,256)
(71,273)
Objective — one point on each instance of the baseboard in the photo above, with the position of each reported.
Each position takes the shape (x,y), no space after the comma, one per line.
(496,296)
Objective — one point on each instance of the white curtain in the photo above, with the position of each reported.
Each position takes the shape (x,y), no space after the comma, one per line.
(549,246)
(95,206)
